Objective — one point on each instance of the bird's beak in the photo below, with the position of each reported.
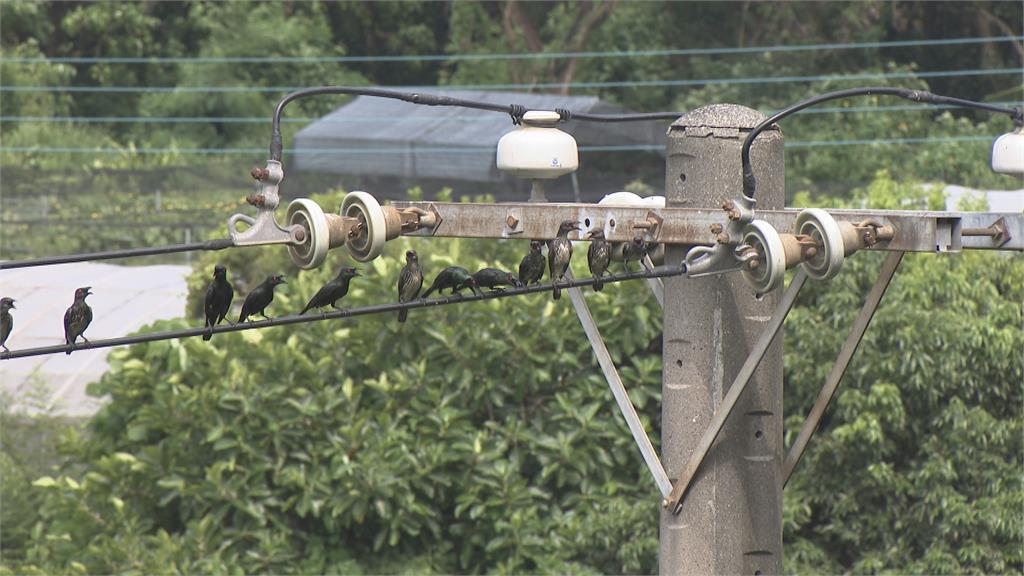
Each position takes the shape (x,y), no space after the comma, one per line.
(88,290)
(590,234)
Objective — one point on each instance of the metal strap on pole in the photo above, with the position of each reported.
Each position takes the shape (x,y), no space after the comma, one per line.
(737,388)
(828,390)
(618,390)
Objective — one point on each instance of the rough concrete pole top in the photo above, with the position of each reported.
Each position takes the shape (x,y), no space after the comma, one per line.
(731,520)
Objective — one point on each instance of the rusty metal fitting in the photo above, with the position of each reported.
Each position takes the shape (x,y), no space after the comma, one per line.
(716,228)
(753,264)
(257,200)
(734,215)
(722,238)
(997,231)
(728,206)
(511,222)
(260,174)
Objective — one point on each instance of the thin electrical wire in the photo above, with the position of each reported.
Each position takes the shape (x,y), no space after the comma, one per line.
(657,272)
(920,96)
(468,150)
(519,86)
(404,118)
(502,56)
(112,254)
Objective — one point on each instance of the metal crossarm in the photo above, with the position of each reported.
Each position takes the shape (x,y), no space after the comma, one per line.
(673,502)
(828,390)
(915,231)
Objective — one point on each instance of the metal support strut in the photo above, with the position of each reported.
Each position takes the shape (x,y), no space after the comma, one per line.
(673,501)
(828,390)
(618,390)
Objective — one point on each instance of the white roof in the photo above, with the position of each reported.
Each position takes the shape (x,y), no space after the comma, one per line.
(126,298)
(998,200)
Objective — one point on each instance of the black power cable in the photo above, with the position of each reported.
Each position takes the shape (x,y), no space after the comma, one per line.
(111,254)
(657,272)
(922,96)
(516,111)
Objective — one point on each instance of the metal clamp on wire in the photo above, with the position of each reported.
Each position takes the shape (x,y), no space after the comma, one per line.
(726,255)
(264,229)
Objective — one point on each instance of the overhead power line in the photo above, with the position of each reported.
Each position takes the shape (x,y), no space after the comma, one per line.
(113,254)
(657,272)
(521,86)
(502,56)
(475,149)
(404,118)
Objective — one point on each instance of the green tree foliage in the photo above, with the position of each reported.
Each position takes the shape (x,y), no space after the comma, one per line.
(916,467)
(473,438)
(482,437)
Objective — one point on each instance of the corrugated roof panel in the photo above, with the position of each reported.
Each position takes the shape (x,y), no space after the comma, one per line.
(380,136)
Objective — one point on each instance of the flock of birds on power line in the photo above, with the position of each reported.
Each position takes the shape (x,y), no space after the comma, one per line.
(220,293)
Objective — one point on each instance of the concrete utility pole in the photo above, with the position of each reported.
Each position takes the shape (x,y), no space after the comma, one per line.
(731,518)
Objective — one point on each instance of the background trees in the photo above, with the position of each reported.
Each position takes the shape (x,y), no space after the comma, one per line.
(482,437)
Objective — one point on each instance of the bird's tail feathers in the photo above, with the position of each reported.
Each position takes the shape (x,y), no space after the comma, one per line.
(403,314)
(556,293)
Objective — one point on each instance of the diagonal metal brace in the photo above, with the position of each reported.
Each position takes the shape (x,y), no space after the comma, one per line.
(739,384)
(828,390)
(657,286)
(618,390)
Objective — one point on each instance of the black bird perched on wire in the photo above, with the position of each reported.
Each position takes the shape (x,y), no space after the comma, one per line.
(77,318)
(260,297)
(598,256)
(218,299)
(634,251)
(531,269)
(559,254)
(456,279)
(494,279)
(6,320)
(332,291)
(410,280)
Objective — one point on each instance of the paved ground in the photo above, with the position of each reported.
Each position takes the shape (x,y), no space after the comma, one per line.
(126,298)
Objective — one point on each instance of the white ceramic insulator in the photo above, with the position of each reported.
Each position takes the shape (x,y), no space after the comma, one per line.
(311,253)
(822,227)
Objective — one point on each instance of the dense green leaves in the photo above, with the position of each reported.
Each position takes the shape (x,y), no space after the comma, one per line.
(482,438)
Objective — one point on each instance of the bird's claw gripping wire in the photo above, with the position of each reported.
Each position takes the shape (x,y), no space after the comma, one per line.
(264,229)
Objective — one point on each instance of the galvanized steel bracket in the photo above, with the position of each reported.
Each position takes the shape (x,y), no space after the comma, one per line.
(264,229)
(727,255)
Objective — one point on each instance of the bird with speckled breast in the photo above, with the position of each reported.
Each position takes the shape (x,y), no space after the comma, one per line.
(77,318)
(6,321)
(598,256)
(559,255)
(410,281)
(634,251)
